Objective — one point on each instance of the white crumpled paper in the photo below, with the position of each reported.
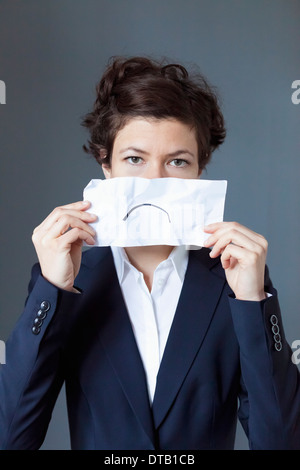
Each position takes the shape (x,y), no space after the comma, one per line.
(134,211)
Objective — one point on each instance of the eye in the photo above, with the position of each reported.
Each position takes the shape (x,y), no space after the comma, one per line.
(134,160)
(179,162)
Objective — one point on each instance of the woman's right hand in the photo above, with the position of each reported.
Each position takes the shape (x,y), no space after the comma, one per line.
(58,242)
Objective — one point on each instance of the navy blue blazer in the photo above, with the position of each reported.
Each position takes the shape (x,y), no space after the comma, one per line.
(224,359)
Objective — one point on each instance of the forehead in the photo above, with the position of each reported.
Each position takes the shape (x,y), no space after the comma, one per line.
(155,133)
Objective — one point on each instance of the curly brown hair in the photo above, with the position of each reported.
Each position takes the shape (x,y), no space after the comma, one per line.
(142,87)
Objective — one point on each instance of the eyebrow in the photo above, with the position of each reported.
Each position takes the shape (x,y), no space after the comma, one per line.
(177,153)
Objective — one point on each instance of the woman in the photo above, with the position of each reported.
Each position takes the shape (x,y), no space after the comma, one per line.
(160,348)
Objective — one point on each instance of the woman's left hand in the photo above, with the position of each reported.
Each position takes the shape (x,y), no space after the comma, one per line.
(243,256)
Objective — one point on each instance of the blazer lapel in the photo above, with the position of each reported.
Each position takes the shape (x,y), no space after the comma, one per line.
(199,296)
(116,334)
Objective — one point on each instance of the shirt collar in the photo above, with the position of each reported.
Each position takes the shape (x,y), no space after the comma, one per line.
(178,257)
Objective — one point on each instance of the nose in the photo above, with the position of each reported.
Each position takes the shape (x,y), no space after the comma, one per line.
(155,170)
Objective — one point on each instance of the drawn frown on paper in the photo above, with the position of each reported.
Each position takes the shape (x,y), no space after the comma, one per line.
(145,204)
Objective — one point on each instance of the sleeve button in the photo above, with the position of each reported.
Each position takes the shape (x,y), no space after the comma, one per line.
(41,314)
(35,330)
(275,329)
(277,338)
(38,322)
(45,306)
(274,320)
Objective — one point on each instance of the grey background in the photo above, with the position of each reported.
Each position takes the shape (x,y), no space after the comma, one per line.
(51,55)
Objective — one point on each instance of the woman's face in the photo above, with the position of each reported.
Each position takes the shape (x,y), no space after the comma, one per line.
(152,148)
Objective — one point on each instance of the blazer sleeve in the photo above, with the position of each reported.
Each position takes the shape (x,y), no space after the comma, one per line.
(270,389)
(34,371)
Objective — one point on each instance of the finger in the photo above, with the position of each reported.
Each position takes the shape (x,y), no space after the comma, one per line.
(73,236)
(236,238)
(210,228)
(79,205)
(232,255)
(219,229)
(59,212)
(235,254)
(64,224)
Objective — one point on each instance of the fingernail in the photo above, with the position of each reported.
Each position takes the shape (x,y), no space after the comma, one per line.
(90,215)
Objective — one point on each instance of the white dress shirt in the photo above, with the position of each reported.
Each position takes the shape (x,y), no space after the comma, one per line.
(151,314)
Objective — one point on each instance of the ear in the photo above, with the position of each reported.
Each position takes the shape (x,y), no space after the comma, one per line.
(107,171)
(106,168)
